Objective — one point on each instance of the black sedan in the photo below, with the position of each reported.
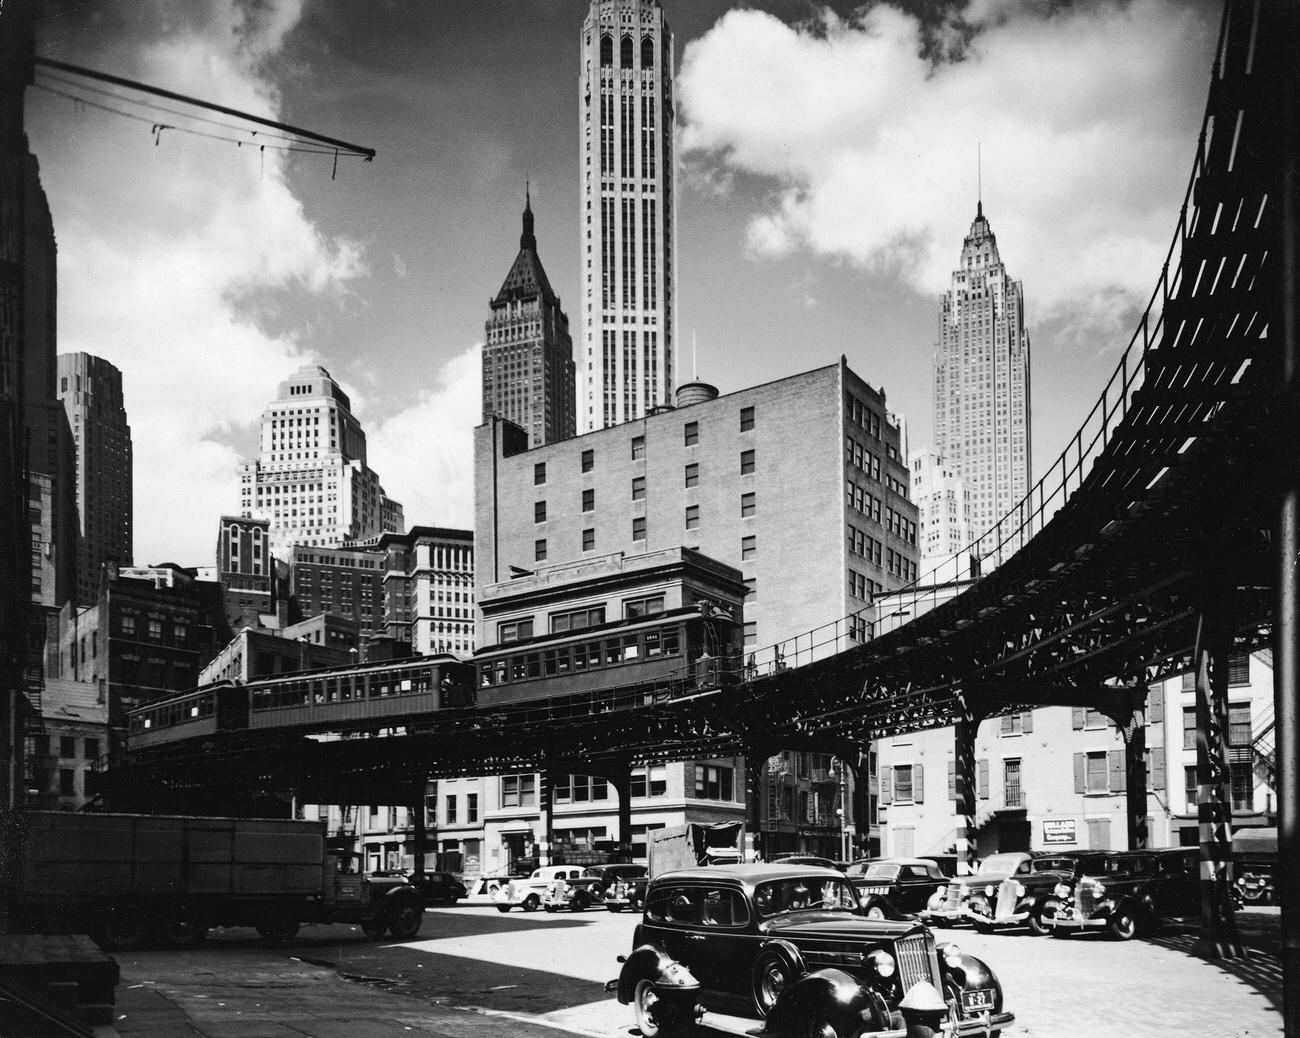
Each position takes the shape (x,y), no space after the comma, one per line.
(439,888)
(788,947)
(894,888)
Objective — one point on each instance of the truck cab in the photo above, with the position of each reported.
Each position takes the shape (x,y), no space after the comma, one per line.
(377,902)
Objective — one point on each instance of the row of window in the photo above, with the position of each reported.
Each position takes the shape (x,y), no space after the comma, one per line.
(748,544)
(579,619)
(712,782)
(43,746)
(576,659)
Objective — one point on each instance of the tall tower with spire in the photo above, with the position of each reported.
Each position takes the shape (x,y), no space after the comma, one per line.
(528,373)
(629,211)
(981,387)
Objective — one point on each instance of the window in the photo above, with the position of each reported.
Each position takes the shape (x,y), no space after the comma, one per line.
(539,511)
(692,434)
(1012,724)
(451,810)
(693,474)
(638,528)
(1239,670)
(634,608)
(1189,727)
(471,808)
(518,790)
(692,517)
(751,632)
(589,539)
(638,488)
(713,782)
(1011,795)
(1239,732)
(128,626)
(751,589)
(155,630)
(638,448)
(578,789)
(903,791)
(747,506)
(588,460)
(1190,785)
(577,619)
(539,473)
(649,782)
(515,630)
(589,500)
(1097,779)
(748,547)
(746,462)
(539,550)
(746,419)
(92,749)
(67,746)
(67,782)
(1243,786)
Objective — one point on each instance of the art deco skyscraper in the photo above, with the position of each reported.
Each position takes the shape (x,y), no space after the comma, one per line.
(981,386)
(91,390)
(310,478)
(527,350)
(629,212)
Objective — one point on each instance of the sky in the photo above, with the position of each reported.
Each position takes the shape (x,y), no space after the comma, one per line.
(830,160)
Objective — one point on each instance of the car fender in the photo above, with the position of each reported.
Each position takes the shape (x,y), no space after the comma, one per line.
(1142,907)
(649,962)
(887,908)
(968,974)
(831,993)
(397,894)
(791,952)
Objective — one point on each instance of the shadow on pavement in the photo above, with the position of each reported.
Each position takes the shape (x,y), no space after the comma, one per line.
(1260,933)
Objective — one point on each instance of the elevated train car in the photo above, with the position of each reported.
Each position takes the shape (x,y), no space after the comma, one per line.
(643,660)
(353,697)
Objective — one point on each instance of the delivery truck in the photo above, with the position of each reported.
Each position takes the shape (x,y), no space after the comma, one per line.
(127,879)
(688,846)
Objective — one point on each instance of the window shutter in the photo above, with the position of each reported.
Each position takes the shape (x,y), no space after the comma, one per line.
(1156,704)
(984,779)
(1158,768)
(1080,773)
(952,780)
(886,774)
(918,784)
(1027,721)
(688,779)
(1078,717)
(1006,724)
(1117,777)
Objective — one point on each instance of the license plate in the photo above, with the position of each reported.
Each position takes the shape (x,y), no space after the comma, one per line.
(974,1001)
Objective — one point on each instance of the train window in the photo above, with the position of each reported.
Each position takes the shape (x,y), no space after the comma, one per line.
(613,652)
(500,672)
(631,647)
(485,673)
(549,666)
(671,647)
(406,685)
(653,645)
(534,664)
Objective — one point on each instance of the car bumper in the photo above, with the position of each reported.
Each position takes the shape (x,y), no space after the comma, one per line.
(944,915)
(1072,922)
(981,1025)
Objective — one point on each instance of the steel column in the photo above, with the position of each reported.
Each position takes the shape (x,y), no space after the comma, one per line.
(546,838)
(1286,623)
(1134,730)
(964,732)
(418,830)
(755,766)
(1219,937)
(619,776)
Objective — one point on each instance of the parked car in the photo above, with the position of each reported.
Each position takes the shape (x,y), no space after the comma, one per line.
(894,888)
(949,906)
(1255,885)
(1027,898)
(483,889)
(528,893)
(857,867)
(587,889)
(1129,892)
(805,859)
(439,888)
(786,946)
(625,887)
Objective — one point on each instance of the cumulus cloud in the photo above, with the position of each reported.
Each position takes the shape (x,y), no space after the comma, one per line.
(1086,117)
(171,252)
(424,454)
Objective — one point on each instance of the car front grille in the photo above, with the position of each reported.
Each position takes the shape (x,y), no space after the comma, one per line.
(1006,899)
(916,961)
(1085,902)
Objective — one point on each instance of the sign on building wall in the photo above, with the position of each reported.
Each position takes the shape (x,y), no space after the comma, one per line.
(1059,830)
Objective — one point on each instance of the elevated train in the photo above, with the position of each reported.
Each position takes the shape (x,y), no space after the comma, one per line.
(618,666)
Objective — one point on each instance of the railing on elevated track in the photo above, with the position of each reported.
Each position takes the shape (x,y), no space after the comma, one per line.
(1065,476)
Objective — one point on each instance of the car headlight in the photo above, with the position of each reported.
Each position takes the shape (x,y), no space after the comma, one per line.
(1098,887)
(989,890)
(1062,890)
(951,955)
(882,962)
(936,899)
(1020,890)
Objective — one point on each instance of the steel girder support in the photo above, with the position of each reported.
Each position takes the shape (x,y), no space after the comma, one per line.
(1130,718)
(756,755)
(545,787)
(1214,785)
(964,732)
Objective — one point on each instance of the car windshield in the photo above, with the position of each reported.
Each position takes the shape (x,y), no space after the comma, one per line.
(998,863)
(809,893)
(882,871)
(858,868)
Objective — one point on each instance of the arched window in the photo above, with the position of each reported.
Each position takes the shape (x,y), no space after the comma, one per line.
(647,52)
(625,53)
(606,50)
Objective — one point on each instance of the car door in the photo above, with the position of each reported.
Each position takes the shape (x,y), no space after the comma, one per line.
(915,886)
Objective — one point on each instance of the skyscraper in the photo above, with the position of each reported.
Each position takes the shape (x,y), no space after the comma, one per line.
(629,212)
(527,350)
(310,478)
(91,390)
(981,386)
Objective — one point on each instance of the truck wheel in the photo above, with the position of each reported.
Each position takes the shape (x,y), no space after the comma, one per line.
(278,925)
(374,928)
(405,919)
(174,933)
(121,928)
(531,903)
